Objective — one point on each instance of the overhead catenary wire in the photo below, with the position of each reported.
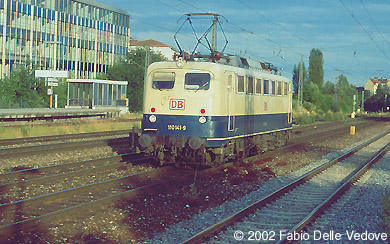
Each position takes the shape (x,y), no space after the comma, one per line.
(292,33)
(373,22)
(364,29)
(276,45)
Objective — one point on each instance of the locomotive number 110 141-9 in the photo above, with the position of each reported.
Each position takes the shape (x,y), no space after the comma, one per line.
(177,127)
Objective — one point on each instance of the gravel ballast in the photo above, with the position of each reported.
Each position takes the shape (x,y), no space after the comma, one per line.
(360,213)
(173,215)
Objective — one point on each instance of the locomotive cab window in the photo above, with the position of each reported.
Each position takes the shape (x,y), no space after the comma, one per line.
(197,81)
(163,80)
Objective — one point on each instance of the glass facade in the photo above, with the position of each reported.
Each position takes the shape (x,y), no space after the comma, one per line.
(83,37)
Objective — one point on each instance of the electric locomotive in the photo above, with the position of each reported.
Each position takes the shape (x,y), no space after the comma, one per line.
(207,109)
(208,112)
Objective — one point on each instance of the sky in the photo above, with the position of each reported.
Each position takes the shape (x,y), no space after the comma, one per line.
(353,35)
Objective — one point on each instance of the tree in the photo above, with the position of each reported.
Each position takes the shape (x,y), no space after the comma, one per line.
(343,82)
(311,93)
(22,89)
(316,70)
(328,88)
(295,79)
(132,69)
(345,93)
(379,101)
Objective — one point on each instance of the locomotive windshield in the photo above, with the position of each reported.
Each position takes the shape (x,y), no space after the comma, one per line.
(163,80)
(197,81)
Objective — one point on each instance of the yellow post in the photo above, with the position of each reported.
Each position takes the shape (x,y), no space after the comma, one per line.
(352,130)
(51,98)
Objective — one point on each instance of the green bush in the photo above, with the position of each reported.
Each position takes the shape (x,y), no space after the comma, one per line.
(304,119)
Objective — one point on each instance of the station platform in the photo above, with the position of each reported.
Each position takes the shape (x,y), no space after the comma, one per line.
(31,114)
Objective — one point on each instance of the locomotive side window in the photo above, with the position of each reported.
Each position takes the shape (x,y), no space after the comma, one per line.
(273,87)
(240,83)
(285,88)
(258,86)
(279,88)
(266,87)
(197,81)
(163,80)
(250,86)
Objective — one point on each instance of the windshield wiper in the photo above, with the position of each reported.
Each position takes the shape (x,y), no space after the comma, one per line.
(205,84)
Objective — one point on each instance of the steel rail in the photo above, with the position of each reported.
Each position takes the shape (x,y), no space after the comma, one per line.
(106,200)
(337,193)
(63,146)
(199,237)
(15,141)
(313,127)
(302,140)
(163,177)
(19,174)
(66,170)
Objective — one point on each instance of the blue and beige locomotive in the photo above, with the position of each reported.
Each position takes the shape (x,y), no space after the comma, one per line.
(207,111)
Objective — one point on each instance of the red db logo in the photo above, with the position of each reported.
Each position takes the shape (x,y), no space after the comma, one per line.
(177,104)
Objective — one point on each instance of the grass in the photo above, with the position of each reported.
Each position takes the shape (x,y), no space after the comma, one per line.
(303,117)
(58,128)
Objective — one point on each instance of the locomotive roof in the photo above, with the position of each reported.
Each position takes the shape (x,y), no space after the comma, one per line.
(231,60)
(235,61)
(207,64)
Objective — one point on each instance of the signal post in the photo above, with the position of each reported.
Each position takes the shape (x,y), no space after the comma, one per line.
(51,80)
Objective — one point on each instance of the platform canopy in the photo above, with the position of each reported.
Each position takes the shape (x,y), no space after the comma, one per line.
(97,93)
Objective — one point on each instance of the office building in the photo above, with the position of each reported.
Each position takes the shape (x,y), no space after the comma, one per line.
(83,36)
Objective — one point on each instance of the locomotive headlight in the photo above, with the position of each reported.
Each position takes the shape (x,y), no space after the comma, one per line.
(202,119)
(180,63)
(152,118)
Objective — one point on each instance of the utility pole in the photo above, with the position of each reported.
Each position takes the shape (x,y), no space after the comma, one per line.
(147,61)
(335,88)
(300,83)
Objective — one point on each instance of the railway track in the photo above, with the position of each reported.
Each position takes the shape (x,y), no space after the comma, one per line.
(17,142)
(56,146)
(286,212)
(41,210)
(49,176)
(312,128)
(48,144)
(35,213)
